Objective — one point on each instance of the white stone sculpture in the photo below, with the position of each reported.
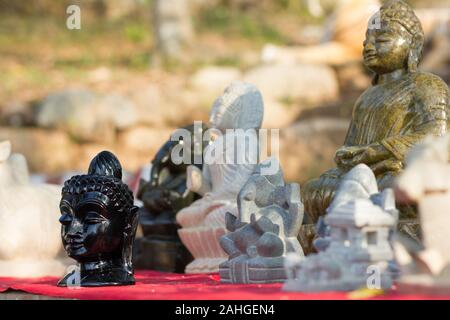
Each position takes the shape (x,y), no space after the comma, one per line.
(30,236)
(360,221)
(426,182)
(228,163)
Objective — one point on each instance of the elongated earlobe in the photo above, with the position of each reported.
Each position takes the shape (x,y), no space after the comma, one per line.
(413,61)
(415,54)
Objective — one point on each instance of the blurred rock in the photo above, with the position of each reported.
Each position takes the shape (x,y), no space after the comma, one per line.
(16,114)
(212,80)
(157,105)
(117,109)
(307,83)
(46,150)
(329,53)
(100,74)
(85,115)
(149,105)
(307,148)
(278,115)
(144,139)
(53,152)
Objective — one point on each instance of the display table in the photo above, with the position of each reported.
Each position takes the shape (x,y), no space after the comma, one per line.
(152,285)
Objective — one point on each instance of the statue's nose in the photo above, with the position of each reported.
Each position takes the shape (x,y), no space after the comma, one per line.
(76,230)
(368,46)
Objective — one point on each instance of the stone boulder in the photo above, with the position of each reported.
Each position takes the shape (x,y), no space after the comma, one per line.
(301,82)
(210,81)
(144,139)
(158,106)
(46,151)
(85,115)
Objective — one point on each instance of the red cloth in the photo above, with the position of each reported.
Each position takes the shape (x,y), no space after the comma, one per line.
(152,285)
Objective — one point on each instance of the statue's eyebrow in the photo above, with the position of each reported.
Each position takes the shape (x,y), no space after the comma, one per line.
(81,206)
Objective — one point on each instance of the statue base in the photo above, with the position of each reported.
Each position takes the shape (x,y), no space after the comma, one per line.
(168,255)
(203,243)
(344,285)
(245,270)
(160,249)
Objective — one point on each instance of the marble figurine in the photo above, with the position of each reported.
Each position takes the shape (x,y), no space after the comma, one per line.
(29,228)
(236,117)
(270,214)
(357,249)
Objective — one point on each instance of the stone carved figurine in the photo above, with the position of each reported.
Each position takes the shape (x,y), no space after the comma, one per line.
(235,118)
(99,224)
(361,222)
(29,229)
(270,214)
(398,111)
(163,196)
(426,182)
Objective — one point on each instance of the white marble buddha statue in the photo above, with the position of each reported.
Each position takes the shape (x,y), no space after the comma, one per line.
(30,237)
(229,160)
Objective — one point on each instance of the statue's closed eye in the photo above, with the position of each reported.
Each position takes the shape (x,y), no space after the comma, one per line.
(93,217)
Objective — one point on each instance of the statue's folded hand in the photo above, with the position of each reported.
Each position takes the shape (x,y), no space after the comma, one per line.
(369,155)
(194,179)
(386,166)
(345,155)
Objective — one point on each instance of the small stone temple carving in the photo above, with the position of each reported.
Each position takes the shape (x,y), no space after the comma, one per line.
(398,111)
(358,255)
(99,224)
(163,196)
(235,118)
(29,229)
(270,214)
(426,182)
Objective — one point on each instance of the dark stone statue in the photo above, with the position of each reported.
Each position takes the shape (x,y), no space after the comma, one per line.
(269,217)
(400,109)
(99,224)
(163,196)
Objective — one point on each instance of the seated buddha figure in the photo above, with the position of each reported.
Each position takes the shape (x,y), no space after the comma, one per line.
(163,196)
(235,119)
(401,107)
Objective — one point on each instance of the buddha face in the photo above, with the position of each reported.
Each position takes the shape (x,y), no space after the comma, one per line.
(89,228)
(386,49)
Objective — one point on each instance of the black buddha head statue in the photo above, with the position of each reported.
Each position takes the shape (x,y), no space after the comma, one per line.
(99,223)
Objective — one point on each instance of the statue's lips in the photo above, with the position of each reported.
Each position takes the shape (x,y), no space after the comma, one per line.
(370,56)
(74,245)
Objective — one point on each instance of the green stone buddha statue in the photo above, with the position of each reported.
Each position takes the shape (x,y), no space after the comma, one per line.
(401,107)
